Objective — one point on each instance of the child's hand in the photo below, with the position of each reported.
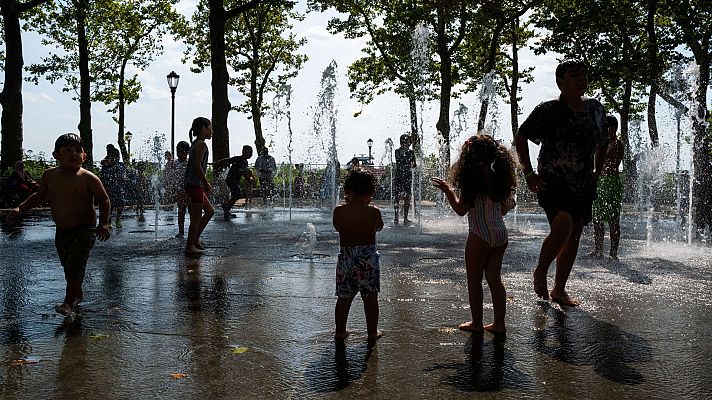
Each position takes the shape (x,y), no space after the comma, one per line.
(13,215)
(441,184)
(102,232)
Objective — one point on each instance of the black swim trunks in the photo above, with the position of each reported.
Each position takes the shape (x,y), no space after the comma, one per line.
(73,247)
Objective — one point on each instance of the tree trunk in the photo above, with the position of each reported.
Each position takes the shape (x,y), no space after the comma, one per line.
(630,168)
(413,107)
(652,122)
(702,152)
(443,124)
(122,116)
(221,103)
(11,95)
(256,110)
(514,89)
(653,62)
(82,7)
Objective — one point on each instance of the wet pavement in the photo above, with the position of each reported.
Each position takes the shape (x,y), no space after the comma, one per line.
(253,318)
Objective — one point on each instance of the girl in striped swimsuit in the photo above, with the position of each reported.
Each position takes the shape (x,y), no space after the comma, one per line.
(484,176)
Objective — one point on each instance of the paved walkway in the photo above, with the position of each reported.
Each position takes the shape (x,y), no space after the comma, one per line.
(253,319)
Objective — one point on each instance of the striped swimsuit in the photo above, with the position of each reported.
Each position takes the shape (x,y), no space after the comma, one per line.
(485,219)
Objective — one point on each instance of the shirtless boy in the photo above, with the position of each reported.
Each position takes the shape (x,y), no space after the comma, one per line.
(357,269)
(72,192)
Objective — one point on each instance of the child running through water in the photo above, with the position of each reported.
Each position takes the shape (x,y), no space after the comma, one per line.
(357,269)
(71,191)
(197,185)
(484,176)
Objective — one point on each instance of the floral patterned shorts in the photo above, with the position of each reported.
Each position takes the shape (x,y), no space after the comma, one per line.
(358,271)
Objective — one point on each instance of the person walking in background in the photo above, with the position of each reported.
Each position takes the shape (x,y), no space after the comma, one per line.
(571,132)
(403,177)
(239,168)
(197,185)
(607,206)
(113,177)
(485,177)
(265,166)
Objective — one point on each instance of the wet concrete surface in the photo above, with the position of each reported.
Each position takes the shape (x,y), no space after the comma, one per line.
(253,319)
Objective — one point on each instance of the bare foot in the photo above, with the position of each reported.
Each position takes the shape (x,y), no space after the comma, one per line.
(540,285)
(192,251)
(340,337)
(470,327)
(64,309)
(564,299)
(497,331)
(377,336)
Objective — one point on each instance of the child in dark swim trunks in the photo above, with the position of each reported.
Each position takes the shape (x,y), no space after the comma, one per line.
(484,175)
(357,269)
(72,192)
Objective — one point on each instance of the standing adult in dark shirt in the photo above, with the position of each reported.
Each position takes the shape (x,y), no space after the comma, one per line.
(239,167)
(571,132)
(403,177)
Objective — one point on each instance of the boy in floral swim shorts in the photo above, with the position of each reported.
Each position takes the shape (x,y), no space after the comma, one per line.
(357,269)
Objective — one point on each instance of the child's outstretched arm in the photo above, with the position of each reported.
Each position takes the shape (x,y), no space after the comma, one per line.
(457,205)
(35,199)
(100,197)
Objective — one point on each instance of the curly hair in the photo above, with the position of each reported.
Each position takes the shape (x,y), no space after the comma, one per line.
(485,167)
(360,181)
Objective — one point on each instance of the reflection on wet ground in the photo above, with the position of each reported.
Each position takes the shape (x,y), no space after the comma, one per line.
(253,318)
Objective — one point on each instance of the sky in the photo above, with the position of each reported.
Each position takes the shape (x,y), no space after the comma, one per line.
(50,112)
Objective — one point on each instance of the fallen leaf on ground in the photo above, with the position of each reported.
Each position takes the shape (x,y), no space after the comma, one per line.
(178,375)
(26,360)
(239,350)
(99,336)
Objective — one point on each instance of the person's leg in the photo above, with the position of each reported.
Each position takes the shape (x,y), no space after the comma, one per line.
(370,307)
(476,251)
(207,215)
(227,206)
(406,207)
(560,228)
(119,212)
(598,234)
(493,273)
(196,212)
(615,238)
(564,262)
(396,201)
(181,220)
(341,316)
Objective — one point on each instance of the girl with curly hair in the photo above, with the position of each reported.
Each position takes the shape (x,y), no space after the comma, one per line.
(484,177)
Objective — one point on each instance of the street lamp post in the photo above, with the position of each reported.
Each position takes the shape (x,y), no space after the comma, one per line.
(173,85)
(127,138)
(369,142)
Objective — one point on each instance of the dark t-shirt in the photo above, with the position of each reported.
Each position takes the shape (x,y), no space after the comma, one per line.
(405,160)
(238,167)
(568,142)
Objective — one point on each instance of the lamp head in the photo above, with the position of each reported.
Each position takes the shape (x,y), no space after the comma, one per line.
(172,79)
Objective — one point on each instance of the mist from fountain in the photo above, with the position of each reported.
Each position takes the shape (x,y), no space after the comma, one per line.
(420,60)
(324,122)
(281,105)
